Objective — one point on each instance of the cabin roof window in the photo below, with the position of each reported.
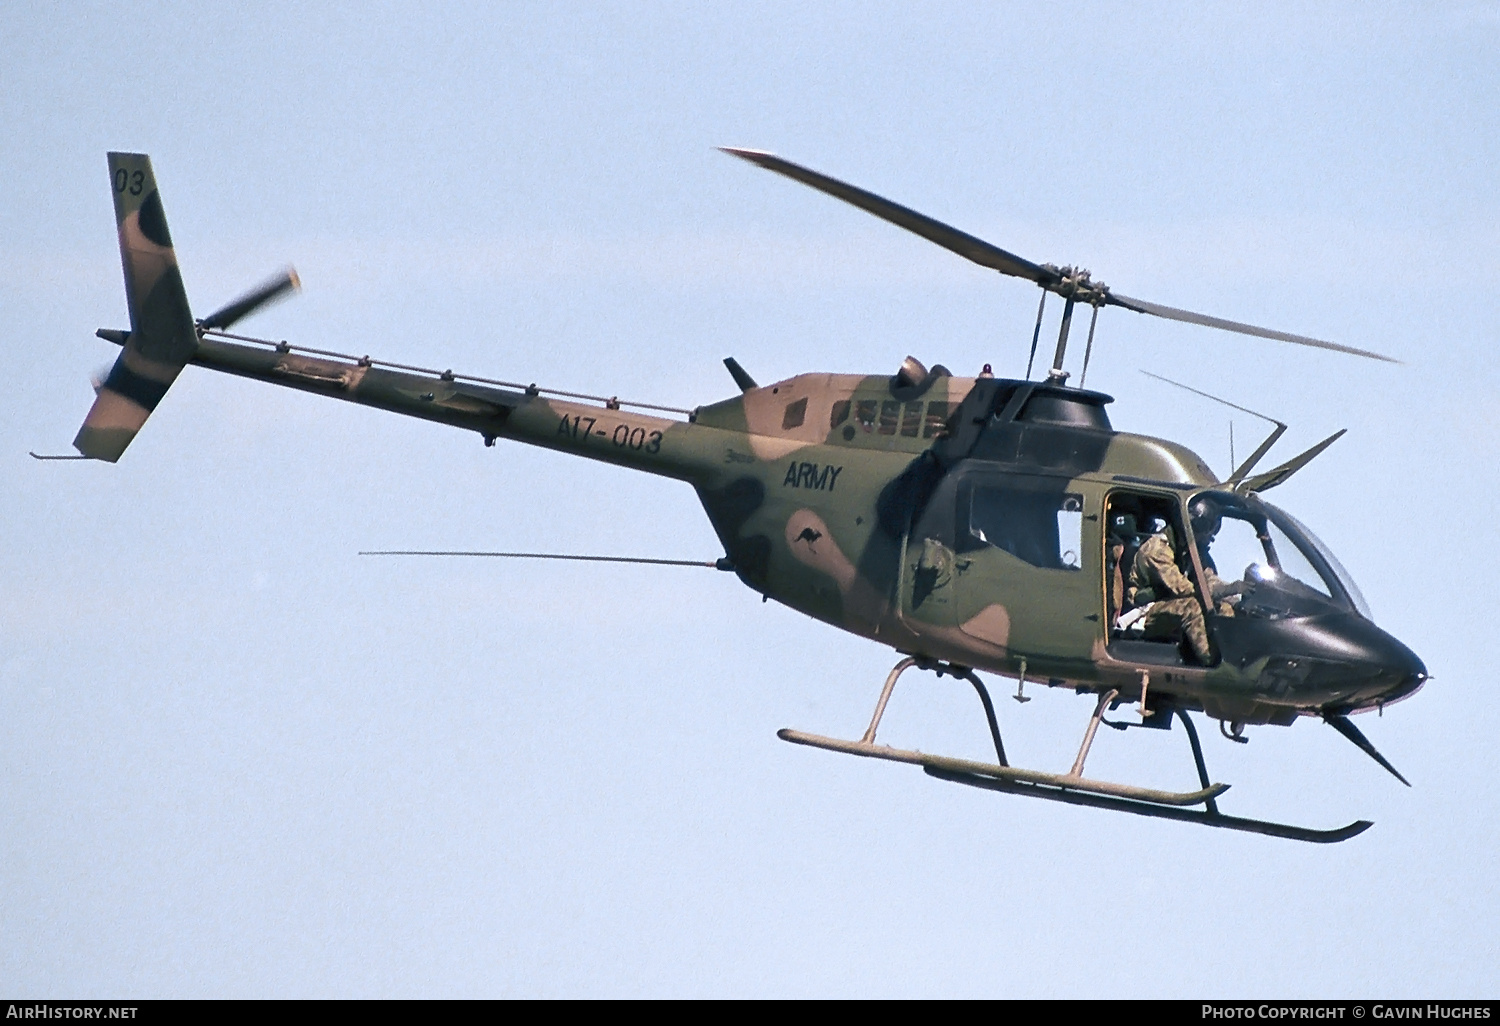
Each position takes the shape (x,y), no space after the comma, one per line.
(795,414)
(937,419)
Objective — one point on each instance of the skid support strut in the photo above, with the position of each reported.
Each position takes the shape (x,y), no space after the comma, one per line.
(885,696)
(962,672)
(1093,728)
(1071,787)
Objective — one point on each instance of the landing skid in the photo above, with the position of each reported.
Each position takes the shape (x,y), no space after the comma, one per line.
(1071,787)
(1141,808)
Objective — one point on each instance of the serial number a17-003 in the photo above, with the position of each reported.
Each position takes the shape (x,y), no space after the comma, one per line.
(583,429)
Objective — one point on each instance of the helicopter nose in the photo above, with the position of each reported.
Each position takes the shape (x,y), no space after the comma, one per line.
(1338,660)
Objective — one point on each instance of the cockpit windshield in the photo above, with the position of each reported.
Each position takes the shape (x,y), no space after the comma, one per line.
(1265,564)
(1351,590)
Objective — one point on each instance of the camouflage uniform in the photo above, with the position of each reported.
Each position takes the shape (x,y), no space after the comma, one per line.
(1174,600)
(1220,590)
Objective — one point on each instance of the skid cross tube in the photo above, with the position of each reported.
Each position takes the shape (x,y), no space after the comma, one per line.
(962,672)
(989,713)
(885,696)
(1093,728)
(1192,732)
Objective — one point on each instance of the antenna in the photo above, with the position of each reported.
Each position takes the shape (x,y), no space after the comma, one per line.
(717,564)
(1255,457)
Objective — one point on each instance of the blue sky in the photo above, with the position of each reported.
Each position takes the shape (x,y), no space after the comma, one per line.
(236,759)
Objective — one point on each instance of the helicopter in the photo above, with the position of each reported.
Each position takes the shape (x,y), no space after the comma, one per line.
(973,524)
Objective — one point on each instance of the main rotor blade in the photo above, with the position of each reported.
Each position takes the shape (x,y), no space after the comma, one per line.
(1187,316)
(989,255)
(272,290)
(965,245)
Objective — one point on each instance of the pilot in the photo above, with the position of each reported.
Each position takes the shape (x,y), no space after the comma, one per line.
(1207,517)
(1171,601)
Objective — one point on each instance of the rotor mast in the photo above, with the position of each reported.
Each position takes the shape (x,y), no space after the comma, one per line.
(1074,286)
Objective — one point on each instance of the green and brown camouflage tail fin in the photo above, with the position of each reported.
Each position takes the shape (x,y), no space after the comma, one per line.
(162,336)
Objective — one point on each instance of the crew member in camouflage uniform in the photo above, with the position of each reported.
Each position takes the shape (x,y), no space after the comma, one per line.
(1206,517)
(1156,578)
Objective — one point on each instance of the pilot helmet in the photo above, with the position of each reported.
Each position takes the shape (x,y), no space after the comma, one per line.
(1206,516)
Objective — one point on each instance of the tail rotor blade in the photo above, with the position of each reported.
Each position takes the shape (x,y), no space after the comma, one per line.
(269,292)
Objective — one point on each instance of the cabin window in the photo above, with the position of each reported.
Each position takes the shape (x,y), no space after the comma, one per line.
(911,420)
(795,413)
(1043,528)
(937,419)
(1070,531)
(890,414)
(864,412)
(840,413)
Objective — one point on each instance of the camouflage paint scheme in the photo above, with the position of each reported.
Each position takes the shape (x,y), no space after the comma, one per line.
(162,335)
(812,485)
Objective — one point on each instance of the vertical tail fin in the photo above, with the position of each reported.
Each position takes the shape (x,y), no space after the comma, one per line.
(162,337)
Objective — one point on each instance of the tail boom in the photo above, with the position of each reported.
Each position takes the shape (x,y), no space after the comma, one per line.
(657,445)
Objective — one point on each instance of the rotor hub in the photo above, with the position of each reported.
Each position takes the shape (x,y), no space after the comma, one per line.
(1077,284)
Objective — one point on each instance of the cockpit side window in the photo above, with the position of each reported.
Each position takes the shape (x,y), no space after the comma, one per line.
(1237,546)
